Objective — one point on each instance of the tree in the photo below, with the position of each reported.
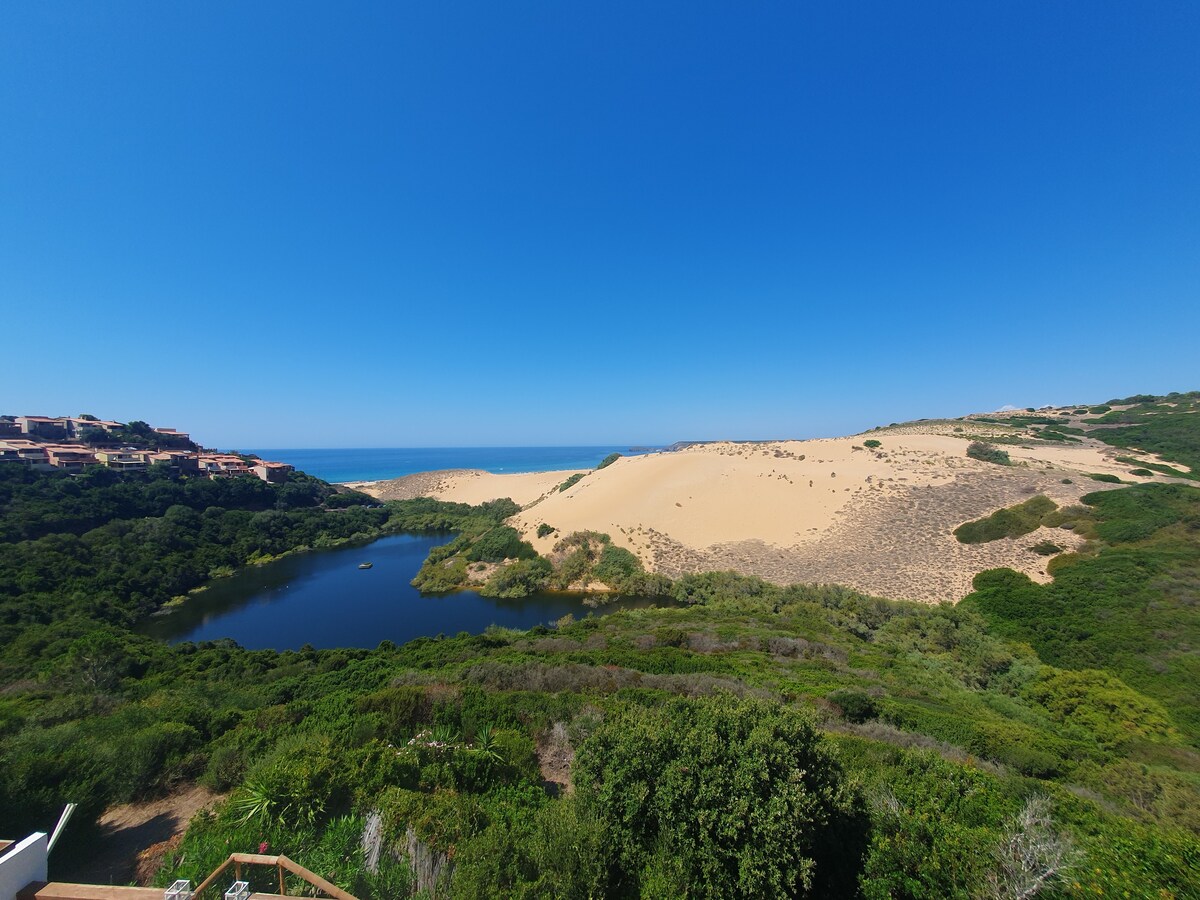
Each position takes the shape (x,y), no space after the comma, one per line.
(97,660)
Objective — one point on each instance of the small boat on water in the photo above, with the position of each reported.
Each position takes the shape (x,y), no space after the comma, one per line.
(365,565)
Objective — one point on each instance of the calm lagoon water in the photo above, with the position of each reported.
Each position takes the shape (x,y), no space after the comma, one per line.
(324,599)
(379,463)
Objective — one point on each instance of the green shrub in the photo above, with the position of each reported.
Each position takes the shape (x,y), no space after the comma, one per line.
(1012,521)
(616,566)
(856,705)
(544,529)
(720,798)
(988,453)
(572,481)
(299,784)
(438,576)
(1046,548)
(872,443)
(500,543)
(1100,704)
(518,579)
(1143,473)
(1105,477)
(608,460)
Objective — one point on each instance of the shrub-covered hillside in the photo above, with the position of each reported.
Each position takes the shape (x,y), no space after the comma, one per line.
(748,740)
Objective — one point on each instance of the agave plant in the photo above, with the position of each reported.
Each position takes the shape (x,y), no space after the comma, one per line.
(257,802)
(486,744)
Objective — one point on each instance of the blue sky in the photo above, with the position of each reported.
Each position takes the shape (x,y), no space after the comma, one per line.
(288,224)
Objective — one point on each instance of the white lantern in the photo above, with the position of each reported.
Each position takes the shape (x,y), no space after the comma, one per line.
(239,890)
(179,890)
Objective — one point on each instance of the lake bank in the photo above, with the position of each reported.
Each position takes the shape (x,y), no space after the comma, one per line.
(321,598)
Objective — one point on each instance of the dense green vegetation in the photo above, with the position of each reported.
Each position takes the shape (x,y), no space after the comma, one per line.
(1168,426)
(753,740)
(1127,607)
(1013,521)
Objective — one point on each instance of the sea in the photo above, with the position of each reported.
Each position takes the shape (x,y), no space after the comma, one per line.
(379,463)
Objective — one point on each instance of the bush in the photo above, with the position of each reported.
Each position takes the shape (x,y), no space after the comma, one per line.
(988,453)
(1101,705)
(1013,521)
(608,460)
(856,706)
(544,529)
(1105,477)
(518,579)
(1143,473)
(501,543)
(616,566)
(872,443)
(720,798)
(572,481)
(1046,548)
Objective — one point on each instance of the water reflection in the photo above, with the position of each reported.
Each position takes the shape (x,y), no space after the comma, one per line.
(326,600)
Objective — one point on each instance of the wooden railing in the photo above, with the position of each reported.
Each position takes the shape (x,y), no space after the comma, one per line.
(282,865)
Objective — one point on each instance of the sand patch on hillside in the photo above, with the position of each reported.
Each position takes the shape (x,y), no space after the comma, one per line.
(828,510)
(831,510)
(466,486)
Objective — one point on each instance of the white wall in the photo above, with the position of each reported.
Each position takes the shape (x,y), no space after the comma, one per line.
(24,862)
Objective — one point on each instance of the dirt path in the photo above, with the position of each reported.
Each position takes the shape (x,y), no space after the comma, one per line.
(136,836)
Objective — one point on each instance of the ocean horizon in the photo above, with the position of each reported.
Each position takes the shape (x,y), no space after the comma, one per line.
(379,463)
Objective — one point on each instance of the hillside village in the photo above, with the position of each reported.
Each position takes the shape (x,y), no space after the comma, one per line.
(71,443)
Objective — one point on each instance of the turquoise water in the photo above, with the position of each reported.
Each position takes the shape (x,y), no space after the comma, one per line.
(379,463)
(325,600)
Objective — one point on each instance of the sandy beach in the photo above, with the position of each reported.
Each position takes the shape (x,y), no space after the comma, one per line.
(829,510)
(466,486)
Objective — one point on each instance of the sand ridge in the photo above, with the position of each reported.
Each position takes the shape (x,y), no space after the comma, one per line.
(827,510)
(472,486)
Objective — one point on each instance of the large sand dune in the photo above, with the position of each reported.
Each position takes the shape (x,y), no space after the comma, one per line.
(830,510)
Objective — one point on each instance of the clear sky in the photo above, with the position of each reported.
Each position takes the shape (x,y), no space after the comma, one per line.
(519,223)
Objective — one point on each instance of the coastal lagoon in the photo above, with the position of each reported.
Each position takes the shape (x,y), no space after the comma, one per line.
(322,598)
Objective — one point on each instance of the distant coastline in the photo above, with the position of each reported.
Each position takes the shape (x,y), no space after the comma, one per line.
(341,466)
